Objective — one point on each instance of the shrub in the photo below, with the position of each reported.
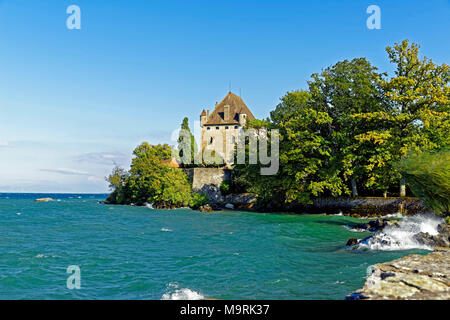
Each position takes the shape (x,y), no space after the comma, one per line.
(225,187)
(198,199)
(151,179)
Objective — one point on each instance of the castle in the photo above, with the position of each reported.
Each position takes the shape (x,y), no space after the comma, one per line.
(221,129)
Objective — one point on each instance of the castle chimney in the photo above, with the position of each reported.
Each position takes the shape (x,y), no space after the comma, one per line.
(226,113)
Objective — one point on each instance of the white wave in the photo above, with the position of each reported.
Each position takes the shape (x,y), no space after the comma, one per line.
(42,256)
(18,213)
(349,228)
(394,215)
(181,294)
(149,205)
(402,237)
(166,230)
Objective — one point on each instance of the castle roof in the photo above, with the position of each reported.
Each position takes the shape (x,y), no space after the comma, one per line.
(203,113)
(236,107)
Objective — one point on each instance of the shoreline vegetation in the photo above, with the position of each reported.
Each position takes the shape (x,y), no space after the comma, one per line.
(354,134)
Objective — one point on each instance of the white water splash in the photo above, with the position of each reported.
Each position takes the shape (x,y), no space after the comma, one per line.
(149,205)
(166,230)
(42,256)
(349,228)
(394,215)
(402,237)
(181,294)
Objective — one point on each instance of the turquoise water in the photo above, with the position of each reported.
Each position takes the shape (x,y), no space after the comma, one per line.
(140,253)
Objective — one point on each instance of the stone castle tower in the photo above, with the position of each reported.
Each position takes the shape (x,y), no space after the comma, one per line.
(220,129)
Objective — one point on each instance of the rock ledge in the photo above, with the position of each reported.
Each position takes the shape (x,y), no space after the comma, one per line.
(414,277)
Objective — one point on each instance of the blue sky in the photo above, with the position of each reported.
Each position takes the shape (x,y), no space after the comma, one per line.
(73,102)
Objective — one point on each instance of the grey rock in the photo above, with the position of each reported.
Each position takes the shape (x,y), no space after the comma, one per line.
(229,206)
(414,277)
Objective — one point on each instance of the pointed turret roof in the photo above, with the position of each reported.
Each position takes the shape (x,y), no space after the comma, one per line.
(237,107)
(203,113)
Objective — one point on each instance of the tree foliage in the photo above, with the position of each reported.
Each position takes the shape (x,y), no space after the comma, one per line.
(151,179)
(352,126)
(186,144)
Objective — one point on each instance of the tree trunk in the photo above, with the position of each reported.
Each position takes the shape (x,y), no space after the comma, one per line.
(402,187)
(385,194)
(354,188)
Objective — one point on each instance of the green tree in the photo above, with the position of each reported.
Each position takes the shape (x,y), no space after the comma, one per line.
(289,106)
(305,170)
(186,144)
(151,179)
(305,157)
(117,183)
(346,88)
(418,114)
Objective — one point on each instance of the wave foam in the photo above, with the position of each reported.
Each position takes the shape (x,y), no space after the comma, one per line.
(181,294)
(349,228)
(402,237)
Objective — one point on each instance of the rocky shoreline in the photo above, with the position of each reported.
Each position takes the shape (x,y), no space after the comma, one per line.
(439,238)
(414,277)
(361,207)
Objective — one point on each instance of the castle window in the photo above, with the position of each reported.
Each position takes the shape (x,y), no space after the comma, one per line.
(207,128)
(226,128)
(217,128)
(211,139)
(235,127)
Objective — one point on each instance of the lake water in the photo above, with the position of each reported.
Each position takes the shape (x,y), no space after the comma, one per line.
(140,253)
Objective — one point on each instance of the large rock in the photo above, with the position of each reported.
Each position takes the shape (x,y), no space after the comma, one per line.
(414,277)
(229,206)
(372,226)
(439,240)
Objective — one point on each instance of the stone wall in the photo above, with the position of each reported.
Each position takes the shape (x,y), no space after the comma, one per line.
(208,180)
(358,207)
